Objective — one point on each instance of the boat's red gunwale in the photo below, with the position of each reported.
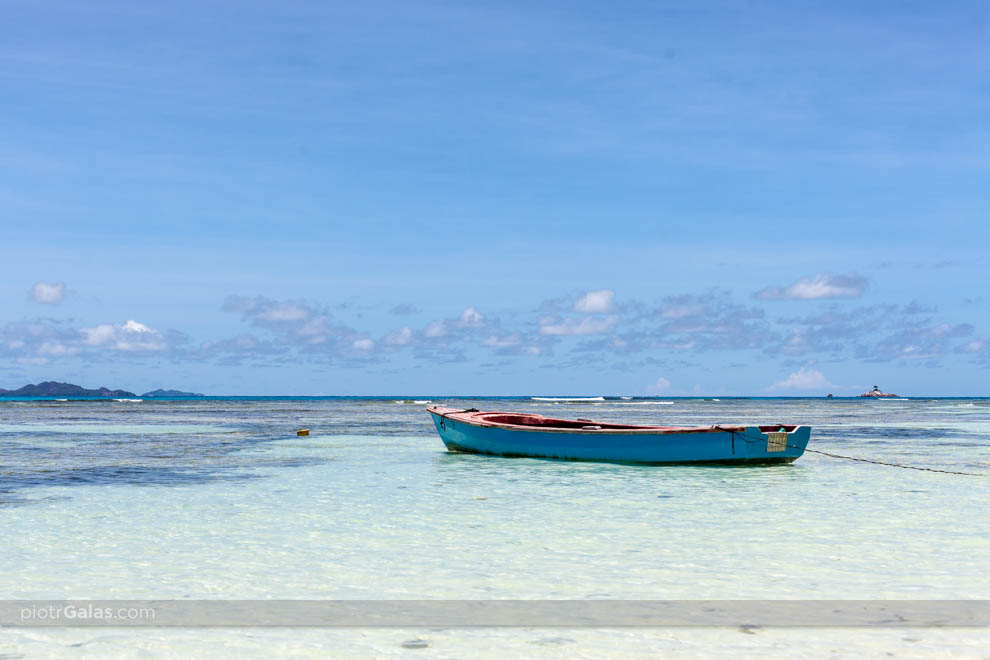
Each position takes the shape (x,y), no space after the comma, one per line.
(569,425)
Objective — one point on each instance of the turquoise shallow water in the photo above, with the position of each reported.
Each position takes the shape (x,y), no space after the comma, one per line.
(220,499)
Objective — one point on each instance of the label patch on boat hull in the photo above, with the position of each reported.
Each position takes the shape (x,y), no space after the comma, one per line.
(776,441)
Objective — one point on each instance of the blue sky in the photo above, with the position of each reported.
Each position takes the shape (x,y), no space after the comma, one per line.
(500,198)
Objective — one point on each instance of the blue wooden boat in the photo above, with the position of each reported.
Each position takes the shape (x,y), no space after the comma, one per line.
(536,436)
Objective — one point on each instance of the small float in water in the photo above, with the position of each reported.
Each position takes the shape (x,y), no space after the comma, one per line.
(528,435)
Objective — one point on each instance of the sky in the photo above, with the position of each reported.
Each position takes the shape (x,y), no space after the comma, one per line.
(635,198)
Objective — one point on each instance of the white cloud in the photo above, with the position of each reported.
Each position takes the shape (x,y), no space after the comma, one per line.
(471,318)
(681,311)
(363,344)
(502,341)
(435,329)
(134,326)
(317,329)
(679,346)
(711,320)
(404,309)
(588,325)
(281,312)
(49,293)
(293,322)
(399,337)
(973,346)
(129,336)
(57,349)
(241,304)
(803,379)
(245,343)
(940,330)
(817,287)
(662,385)
(99,335)
(596,302)
(272,314)
(917,342)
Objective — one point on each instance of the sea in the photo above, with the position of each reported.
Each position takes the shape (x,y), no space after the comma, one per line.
(218,498)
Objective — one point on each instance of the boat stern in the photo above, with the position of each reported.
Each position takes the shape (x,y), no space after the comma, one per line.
(780,444)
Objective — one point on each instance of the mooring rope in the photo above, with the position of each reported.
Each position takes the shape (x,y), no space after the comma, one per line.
(458,412)
(855,458)
(897,465)
(443,415)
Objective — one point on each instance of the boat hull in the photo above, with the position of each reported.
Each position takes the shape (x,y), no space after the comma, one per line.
(742,446)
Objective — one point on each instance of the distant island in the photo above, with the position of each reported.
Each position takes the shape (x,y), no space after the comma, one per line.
(877,393)
(168,393)
(51,388)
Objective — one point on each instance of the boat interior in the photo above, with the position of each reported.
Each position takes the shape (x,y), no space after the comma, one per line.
(549,422)
(538,421)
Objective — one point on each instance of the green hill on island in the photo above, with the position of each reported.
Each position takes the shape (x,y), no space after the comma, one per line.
(52,388)
(168,393)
